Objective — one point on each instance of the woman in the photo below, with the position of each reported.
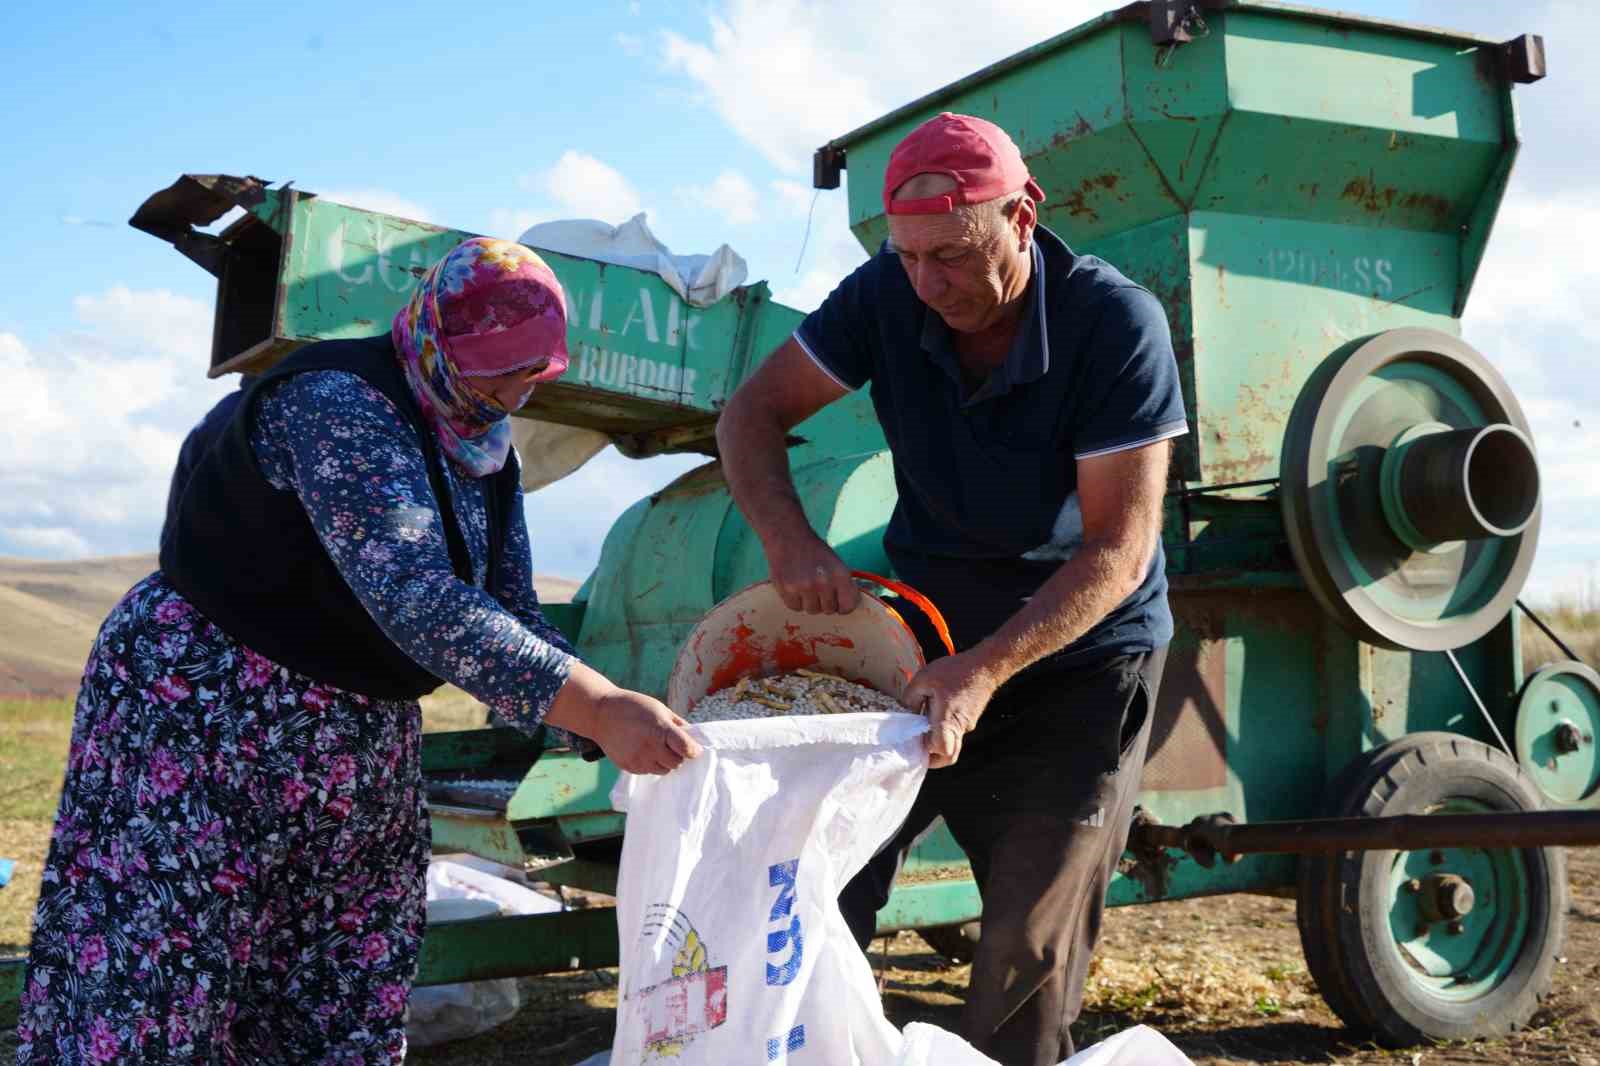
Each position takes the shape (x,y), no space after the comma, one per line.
(236,872)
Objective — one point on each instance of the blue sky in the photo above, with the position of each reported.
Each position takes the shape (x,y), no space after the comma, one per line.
(487,117)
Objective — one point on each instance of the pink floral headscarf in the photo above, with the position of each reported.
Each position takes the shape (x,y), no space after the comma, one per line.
(489,307)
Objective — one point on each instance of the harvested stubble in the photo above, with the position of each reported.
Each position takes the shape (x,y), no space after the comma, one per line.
(799,692)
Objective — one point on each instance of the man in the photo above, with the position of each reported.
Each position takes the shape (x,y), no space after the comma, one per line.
(1028,395)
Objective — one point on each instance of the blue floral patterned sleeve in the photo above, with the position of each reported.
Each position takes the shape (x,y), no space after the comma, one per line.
(356,466)
(516,574)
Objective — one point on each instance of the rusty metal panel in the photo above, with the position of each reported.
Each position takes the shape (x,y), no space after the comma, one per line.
(1327,178)
(1189,739)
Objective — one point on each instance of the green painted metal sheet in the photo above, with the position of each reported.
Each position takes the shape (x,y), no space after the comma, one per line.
(1292,180)
(562,784)
(581,828)
(528,847)
(644,601)
(473,749)
(643,360)
(586,874)
(930,903)
(567,617)
(517,946)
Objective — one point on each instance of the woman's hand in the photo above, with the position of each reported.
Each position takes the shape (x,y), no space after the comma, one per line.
(640,735)
(637,732)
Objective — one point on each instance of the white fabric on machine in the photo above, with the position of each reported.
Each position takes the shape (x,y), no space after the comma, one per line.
(549,451)
(441,1013)
(701,280)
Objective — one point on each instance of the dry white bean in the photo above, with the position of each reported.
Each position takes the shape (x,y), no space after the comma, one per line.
(801,692)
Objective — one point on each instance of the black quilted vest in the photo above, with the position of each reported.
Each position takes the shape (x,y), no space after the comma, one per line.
(245,554)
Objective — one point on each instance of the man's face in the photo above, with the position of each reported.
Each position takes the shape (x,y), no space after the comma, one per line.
(966,265)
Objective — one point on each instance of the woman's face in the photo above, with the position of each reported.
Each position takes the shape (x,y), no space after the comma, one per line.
(509,392)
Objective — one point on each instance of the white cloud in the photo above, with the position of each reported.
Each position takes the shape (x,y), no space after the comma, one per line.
(1539,259)
(381,200)
(53,542)
(794,198)
(567,521)
(153,319)
(730,195)
(630,43)
(90,422)
(784,77)
(1531,314)
(510,223)
(585,187)
(90,425)
(830,249)
(578,186)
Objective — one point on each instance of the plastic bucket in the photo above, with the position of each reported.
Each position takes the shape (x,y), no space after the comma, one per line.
(753,634)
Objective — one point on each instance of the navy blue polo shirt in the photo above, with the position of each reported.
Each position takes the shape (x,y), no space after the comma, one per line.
(988,502)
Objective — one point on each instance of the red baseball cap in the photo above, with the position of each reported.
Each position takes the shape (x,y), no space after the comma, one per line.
(978,155)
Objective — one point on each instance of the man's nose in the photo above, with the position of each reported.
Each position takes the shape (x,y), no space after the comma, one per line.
(929,282)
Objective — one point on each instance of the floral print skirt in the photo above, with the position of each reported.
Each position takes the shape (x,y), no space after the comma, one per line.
(236,871)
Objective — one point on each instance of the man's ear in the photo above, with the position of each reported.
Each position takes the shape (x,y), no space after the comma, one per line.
(1024,219)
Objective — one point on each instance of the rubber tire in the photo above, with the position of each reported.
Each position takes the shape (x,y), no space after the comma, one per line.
(1410,776)
(1316,895)
(958,943)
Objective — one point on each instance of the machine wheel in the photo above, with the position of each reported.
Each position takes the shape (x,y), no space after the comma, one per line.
(958,943)
(1441,943)
(1317,899)
(1558,721)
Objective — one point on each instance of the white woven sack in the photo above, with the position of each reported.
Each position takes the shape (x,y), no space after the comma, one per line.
(733,948)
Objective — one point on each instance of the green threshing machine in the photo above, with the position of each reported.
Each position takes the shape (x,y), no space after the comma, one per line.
(1345,716)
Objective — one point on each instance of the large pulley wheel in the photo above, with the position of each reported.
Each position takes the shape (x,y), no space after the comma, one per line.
(1558,722)
(1436,943)
(1410,490)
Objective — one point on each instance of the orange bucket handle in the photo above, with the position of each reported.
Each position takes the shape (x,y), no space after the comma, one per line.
(921,602)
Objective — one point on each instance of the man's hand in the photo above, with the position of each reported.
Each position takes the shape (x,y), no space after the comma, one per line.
(811,578)
(954,692)
(785,390)
(640,735)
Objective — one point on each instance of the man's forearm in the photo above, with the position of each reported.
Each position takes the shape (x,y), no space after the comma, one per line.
(755,461)
(1078,595)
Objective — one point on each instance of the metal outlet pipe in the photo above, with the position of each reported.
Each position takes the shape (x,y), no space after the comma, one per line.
(1465,484)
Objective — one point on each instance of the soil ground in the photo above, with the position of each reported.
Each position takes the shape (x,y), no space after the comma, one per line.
(1222,978)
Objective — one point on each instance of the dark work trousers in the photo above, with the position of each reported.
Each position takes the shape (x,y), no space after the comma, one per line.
(1040,800)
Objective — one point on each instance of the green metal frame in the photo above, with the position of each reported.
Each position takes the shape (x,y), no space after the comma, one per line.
(646,366)
(1293,180)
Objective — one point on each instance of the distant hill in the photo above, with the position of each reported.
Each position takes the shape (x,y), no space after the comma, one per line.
(51,611)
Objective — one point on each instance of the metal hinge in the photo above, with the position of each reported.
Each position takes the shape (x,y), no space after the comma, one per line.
(827,164)
(1522,58)
(1175,22)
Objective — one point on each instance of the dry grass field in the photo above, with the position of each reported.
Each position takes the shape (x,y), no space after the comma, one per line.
(49,615)
(51,611)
